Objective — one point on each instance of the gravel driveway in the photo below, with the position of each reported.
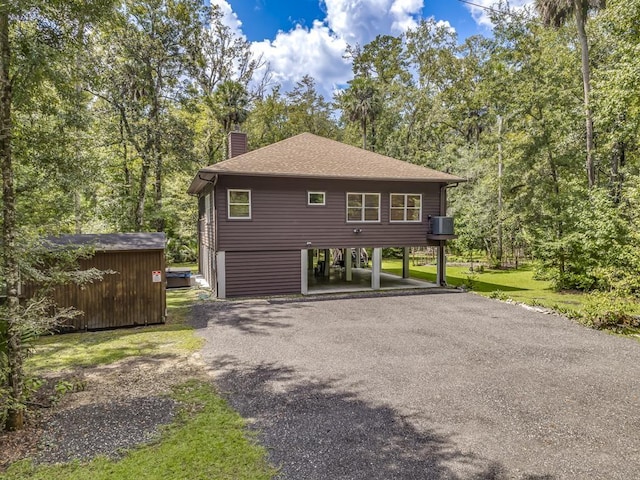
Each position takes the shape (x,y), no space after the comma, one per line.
(429,386)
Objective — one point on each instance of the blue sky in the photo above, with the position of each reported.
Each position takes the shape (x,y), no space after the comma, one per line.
(298,37)
(261,19)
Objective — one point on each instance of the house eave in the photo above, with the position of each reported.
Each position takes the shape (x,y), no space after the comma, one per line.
(199,182)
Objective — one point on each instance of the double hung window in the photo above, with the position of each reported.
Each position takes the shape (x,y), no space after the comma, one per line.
(405,207)
(239,204)
(363,207)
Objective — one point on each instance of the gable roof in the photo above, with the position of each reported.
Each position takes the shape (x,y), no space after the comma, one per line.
(108,242)
(311,156)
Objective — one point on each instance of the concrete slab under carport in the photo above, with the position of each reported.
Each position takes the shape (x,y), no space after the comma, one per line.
(427,385)
(361,282)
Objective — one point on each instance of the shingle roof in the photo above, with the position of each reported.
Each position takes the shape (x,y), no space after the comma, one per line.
(307,155)
(107,242)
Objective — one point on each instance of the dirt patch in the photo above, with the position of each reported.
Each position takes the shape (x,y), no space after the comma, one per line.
(118,406)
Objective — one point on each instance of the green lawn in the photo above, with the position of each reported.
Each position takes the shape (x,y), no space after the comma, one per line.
(208,440)
(90,349)
(518,285)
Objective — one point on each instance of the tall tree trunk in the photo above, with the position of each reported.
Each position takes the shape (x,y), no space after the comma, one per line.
(499,226)
(125,159)
(159,220)
(586,81)
(142,193)
(615,178)
(157,160)
(364,133)
(15,416)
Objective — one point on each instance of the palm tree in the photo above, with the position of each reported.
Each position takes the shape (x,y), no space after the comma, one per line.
(555,13)
(361,102)
(230,104)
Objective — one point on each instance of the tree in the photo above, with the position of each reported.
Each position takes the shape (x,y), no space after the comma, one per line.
(48,30)
(556,13)
(361,103)
(15,418)
(616,90)
(141,58)
(308,111)
(220,67)
(269,121)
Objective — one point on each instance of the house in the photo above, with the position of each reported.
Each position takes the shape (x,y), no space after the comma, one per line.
(268,216)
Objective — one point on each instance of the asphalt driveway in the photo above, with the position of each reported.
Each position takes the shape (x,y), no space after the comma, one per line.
(429,386)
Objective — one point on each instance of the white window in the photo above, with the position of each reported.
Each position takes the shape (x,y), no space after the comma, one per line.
(315,198)
(239,204)
(405,207)
(363,207)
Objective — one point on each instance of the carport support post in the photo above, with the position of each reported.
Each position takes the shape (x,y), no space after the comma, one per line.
(327,263)
(376,266)
(441,268)
(358,257)
(405,262)
(304,271)
(348,265)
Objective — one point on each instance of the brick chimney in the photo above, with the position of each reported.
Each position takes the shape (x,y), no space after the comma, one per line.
(237,144)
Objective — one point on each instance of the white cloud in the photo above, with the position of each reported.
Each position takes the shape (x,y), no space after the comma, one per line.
(480,14)
(404,13)
(315,51)
(359,21)
(318,51)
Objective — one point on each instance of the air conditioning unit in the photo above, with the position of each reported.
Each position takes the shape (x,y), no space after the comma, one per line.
(442,225)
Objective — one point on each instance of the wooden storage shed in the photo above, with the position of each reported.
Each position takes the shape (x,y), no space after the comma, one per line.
(134,295)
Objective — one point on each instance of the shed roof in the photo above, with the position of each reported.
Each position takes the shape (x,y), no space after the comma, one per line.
(311,156)
(107,242)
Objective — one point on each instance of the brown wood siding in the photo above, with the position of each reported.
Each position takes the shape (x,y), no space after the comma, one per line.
(262,273)
(282,220)
(126,298)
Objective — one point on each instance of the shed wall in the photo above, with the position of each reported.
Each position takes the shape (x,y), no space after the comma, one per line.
(282,220)
(126,298)
(262,273)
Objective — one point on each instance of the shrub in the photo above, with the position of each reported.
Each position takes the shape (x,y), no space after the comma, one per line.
(499,295)
(609,310)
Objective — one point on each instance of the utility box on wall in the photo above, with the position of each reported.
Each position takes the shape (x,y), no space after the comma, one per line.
(442,225)
(134,295)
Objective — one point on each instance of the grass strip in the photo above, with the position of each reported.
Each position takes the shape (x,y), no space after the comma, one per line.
(519,285)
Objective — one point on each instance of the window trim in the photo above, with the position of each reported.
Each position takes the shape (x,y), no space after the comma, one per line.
(363,208)
(324,198)
(404,208)
(229,204)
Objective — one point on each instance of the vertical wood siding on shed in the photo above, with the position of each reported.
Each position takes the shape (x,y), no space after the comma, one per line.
(282,220)
(126,298)
(262,273)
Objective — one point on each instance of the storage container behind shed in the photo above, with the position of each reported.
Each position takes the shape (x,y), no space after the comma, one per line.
(134,295)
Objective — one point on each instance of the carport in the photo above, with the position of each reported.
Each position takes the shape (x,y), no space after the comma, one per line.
(353,270)
(361,282)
